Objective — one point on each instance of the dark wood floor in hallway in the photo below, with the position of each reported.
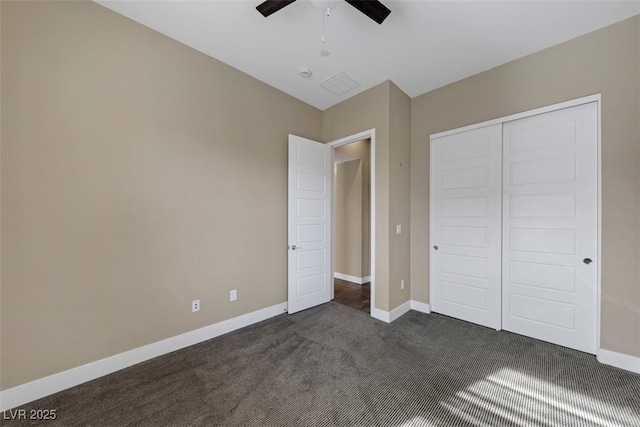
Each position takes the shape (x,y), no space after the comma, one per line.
(352,295)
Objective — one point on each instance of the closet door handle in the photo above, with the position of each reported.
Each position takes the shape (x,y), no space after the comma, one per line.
(587,261)
(435,248)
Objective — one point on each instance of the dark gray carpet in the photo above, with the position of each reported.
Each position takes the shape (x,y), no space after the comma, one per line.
(335,366)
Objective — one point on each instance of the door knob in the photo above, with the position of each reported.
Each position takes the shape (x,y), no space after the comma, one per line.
(435,248)
(294,247)
(587,261)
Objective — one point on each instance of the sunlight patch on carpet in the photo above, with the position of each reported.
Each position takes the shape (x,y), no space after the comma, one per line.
(516,397)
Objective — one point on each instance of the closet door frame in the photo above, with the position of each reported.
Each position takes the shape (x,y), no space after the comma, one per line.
(550,108)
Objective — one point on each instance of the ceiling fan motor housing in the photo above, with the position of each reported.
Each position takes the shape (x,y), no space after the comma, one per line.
(325,4)
(372,8)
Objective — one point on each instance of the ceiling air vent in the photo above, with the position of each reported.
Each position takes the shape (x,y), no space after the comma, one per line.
(339,84)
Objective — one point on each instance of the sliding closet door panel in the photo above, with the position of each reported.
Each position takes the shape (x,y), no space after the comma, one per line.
(465,225)
(550,227)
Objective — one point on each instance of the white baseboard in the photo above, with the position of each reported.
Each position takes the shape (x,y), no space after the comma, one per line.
(421,307)
(400,310)
(46,386)
(353,279)
(619,360)
(390,316)
(380,314)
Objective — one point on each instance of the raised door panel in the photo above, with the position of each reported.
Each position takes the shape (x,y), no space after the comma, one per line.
(309,269)
(465,225)
(550,226)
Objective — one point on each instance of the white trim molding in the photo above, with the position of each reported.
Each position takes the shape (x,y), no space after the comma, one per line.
(352,279)
(371,135)
(399,311)
(421,307)
(390,316)
(25,393)
(559,106)
(619,360)
(376,313)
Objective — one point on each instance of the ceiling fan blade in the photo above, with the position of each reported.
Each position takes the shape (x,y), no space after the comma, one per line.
(372,8)
(271,6)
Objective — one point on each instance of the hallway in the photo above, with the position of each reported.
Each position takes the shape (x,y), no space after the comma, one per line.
(352,295)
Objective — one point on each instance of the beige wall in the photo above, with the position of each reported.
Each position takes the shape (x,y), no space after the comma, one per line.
(137,175)
(369,110)
(347,197)
(387,109)
(606,61)
(352,220)
(399,194)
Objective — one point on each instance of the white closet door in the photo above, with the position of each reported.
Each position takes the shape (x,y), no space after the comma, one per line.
(465,225)
(550,227)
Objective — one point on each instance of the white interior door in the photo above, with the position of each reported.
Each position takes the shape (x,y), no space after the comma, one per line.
(550,227)
(310,272)
(465,225)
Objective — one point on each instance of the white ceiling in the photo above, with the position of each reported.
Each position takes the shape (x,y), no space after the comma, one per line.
(421,46)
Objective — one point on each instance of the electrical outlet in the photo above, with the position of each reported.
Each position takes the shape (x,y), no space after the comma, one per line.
(233,295)
(195,305)
(402,284)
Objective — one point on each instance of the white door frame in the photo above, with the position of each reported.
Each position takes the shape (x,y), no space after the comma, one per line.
(597,98)
(371,135)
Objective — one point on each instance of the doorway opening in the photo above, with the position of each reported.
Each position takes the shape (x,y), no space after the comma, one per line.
(353,248)
(351,231)
(311,226)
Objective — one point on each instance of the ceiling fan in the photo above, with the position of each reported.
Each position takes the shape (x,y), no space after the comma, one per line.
(372,8)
